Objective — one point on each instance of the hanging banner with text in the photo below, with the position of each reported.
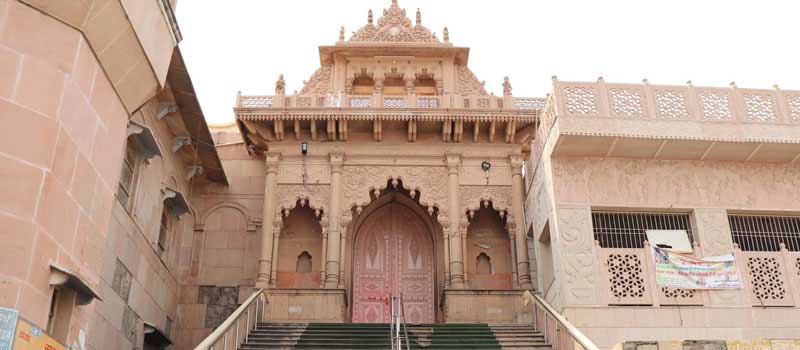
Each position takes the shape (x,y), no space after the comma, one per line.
(679,271)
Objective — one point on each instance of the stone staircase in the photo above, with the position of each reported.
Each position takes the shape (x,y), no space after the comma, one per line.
(376,336)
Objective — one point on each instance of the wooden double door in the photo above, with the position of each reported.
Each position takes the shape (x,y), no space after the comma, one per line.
(393,254)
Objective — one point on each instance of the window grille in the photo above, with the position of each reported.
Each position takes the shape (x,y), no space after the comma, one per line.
(765,233)
(628,229)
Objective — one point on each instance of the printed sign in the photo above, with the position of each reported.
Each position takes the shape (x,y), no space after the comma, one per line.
(30,337)
(8,327)
(683,272)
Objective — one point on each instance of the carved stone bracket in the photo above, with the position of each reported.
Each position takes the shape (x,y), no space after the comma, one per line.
(473,198)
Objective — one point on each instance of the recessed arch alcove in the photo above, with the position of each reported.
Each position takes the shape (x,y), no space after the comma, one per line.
(488,257)
(300,248)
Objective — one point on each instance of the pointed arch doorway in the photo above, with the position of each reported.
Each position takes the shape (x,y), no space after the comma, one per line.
(393,253)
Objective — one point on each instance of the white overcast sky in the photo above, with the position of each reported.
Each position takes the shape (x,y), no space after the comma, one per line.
(243,45)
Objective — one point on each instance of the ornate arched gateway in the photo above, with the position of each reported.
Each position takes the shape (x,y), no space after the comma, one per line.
(412,174)
(393,253)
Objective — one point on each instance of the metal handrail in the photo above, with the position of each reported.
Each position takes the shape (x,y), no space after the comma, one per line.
(255,304)
(561,323)
(398,321)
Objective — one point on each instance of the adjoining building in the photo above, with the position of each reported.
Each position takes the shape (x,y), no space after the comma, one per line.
(128,223)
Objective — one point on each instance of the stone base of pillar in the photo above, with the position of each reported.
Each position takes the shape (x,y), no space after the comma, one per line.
(524,278)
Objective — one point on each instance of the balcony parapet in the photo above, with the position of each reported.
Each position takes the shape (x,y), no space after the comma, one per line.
(689,102)
(423,102)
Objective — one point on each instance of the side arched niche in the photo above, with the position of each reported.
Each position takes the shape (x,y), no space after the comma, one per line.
(300,248)
(488,254)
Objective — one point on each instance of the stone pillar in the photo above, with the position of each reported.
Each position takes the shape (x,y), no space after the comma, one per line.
(513,246)
(446,244)
(713,235)
(334,237)
(517,188)
(456,255)
(324,253)
(277,224)
(267,229)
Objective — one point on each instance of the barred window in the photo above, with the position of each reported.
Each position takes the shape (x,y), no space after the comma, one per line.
(765,233)
(629,229)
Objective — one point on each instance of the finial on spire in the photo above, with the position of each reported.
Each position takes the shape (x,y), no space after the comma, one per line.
(506,87)
(341,33)
(394,3)
(369,17)
(446,35)
(419,17)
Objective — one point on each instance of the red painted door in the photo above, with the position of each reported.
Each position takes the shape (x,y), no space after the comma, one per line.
(393,254)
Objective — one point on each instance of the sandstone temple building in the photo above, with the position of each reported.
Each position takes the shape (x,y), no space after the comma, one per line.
(393,189)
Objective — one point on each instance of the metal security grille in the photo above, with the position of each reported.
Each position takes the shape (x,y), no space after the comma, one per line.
(765,233)
(628,229)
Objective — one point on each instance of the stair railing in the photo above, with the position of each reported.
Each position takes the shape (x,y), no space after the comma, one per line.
(232,332)
(557,331)
(398,321)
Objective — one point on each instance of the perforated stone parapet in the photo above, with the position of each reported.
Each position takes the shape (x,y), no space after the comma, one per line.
(626,279)
(581,100)
(716,105)
(626,102)
(760,107)
(671,104)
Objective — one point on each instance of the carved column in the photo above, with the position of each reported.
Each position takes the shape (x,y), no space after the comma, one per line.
(456,254)
(446,244)
(713,234)
(334,237)
(276,234)
(267,229)
(324,253)
(513,246)
(464,224)
(345,221)
(517,187)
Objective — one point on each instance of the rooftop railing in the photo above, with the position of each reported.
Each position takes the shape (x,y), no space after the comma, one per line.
(689,102)
(390,101)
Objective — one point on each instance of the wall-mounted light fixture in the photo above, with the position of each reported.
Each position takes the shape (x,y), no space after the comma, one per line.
(485,165)
(304,148)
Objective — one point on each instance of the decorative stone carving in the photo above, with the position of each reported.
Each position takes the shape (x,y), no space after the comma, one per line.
(468,83)
(581,100)
(760,107)
(626,272)
(431,182)
(280,86)
(626,102)
(506,87)
(766,278)
(315,195)
(793,102)
(578,259)
(394,26)
(671,104)
(475,197)
(319,81)
(716,105)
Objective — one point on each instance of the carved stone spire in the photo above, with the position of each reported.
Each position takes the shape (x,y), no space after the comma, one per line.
(419,18)
(369,17)
(394,3)
(446,35)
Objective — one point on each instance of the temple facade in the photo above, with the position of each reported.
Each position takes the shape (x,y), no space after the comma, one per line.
(392,171)
(130,223)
